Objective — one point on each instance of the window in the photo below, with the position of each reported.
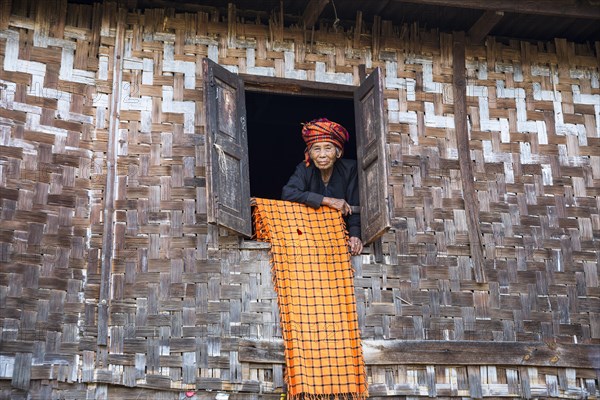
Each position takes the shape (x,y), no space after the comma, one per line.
(228,182)
(275,145)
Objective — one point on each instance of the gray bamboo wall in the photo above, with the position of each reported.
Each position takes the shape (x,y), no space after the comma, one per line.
(101,110)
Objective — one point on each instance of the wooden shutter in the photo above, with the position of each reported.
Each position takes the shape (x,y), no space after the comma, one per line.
(227,176)
(371,157)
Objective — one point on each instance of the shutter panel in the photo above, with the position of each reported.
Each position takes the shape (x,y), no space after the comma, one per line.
(371,157)
(227,175)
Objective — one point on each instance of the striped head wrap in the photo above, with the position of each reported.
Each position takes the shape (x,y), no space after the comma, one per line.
(323,130)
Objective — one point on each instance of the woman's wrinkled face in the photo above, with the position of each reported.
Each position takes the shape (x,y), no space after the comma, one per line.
(324,155)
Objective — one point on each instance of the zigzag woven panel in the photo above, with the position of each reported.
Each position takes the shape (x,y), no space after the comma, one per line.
(82,183)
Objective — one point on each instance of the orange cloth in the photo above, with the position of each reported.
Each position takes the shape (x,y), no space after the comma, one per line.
(315,291)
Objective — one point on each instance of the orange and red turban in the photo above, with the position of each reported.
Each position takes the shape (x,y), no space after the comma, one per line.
(323,130)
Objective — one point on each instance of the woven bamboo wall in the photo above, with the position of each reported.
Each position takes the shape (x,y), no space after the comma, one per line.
(533,114)
(74,143)
(51,180)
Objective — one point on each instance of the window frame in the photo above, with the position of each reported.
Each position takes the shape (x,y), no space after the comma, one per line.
(372,163)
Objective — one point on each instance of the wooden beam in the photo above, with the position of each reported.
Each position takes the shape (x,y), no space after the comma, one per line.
(357,30)
(588,9)
(362,72)
(258,83)
(376,36)
(312,12)
(484,25)
(110,193)
(442,352)
(5,10)
(381,7)
(231,25)
(459,81)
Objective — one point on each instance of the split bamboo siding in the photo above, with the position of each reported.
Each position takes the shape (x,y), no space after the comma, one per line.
(112,284)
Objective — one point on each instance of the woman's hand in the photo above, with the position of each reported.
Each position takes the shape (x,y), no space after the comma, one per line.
(356,246)
(339,204)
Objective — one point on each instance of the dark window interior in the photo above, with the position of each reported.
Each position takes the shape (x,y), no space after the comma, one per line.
(275,144)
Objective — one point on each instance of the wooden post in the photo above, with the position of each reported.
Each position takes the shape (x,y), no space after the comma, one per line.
(376,36)
(5,10)
(111,177)
(362,72)
(357,30)
(464,154)
(231,25)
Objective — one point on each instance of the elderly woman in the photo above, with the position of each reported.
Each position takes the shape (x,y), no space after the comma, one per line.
(324,178)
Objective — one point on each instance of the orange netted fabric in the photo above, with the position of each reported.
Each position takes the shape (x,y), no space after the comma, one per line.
(315,291)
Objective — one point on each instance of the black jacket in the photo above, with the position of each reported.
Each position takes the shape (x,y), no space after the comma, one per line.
(306,186)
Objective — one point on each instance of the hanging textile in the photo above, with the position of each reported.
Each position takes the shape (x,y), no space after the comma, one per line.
(314,282)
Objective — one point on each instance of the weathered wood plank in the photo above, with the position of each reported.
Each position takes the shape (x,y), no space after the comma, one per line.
(563,8)
(5,9)
(371,133)
(313,10)
(111,178)
(396,352)
(227,150)
(357,32)
(464,154)
(288,86)
(483,26)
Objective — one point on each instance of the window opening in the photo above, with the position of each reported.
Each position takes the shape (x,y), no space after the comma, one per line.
(275,145)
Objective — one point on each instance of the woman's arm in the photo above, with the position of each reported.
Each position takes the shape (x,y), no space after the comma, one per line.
(339,204)
(297,188)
